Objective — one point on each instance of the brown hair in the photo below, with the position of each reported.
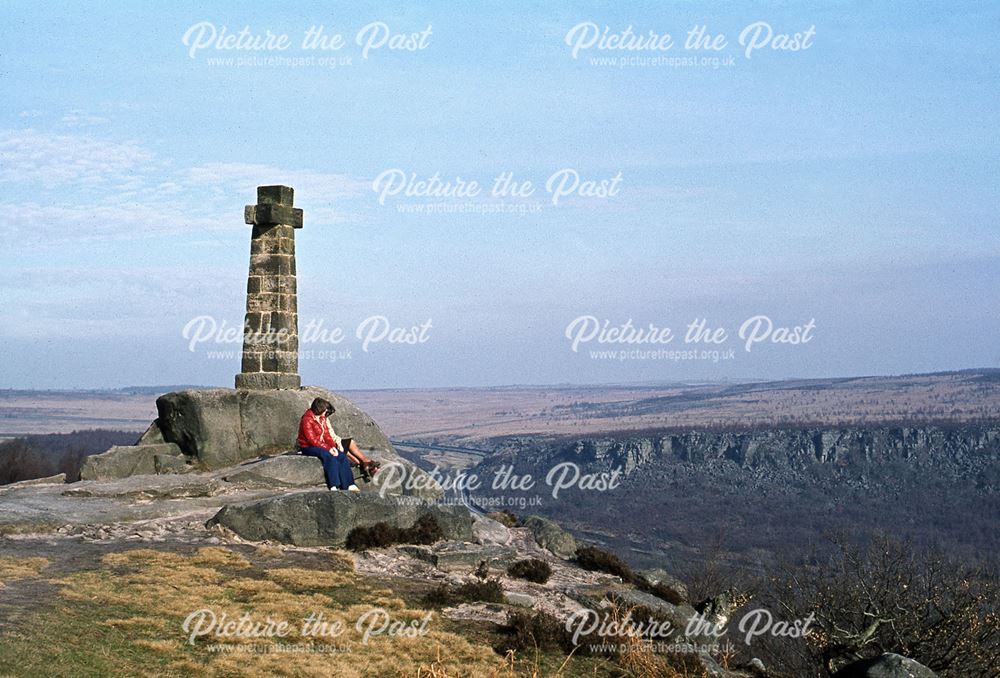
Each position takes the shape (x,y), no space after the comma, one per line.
(319,406)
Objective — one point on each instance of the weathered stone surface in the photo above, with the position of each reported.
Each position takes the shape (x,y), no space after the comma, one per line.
(464,557)
(58,479)
(485,530)
(270,338)
(146,487)
(288,470)
(267,380)
(273,214)
(171,463)
(888,665)
(152,435)
(296,470)
(183,501)
(520,599)
(222,427)
(550,536)
(125,461)
(399,476)
(325,518)
(275,194)
(664,578)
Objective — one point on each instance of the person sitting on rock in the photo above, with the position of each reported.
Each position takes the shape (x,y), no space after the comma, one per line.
(368,467)
(316,440)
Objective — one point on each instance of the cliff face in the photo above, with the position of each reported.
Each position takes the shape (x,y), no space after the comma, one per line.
(953,453)
(799,448)
(768,492)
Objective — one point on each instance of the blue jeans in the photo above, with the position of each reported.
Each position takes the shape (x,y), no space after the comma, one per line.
(336,469)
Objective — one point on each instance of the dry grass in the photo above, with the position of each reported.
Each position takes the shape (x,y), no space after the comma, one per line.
(638,656)
(126,619)
(268,551)
(126,616)
(20,568)
(215,555)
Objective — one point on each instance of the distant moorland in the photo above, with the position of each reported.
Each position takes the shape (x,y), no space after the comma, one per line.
(473,415)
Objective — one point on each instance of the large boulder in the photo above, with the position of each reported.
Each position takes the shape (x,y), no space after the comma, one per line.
(222,427)
(325,518)
(550,536)
(662,578)
(888,665)
(122,461)
(485,530)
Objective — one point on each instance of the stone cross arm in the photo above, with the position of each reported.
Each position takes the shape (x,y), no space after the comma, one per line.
(274,206)
(269,215)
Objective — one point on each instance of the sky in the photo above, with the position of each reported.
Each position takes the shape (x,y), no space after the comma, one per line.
(816,184)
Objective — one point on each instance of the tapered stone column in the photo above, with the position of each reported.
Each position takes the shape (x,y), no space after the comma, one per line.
(271,329)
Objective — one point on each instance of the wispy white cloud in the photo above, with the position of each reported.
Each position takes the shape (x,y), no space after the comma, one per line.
(29,156)
(105,190)
(34,223)
(80,118)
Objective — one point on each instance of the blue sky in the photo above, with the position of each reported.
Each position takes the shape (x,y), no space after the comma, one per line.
(853,183)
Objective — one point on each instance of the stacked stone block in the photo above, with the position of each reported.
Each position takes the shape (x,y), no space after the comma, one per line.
(271,329)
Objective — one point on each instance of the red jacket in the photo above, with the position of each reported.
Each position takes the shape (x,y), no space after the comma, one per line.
(313,432)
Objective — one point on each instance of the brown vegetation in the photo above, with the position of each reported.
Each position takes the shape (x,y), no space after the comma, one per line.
(425,531)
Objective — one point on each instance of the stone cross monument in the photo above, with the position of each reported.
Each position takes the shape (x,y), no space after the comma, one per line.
(271,330)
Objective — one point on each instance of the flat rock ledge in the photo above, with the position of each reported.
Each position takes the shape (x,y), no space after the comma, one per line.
(144,487)
(397,476)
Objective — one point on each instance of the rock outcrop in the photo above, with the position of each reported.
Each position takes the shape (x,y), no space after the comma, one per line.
(485,530)
(177,513)
(967,453)
(131,460)
(221,427)
(212,429)
(888,665)
(550,536)
(794,448)
(463,557)
(325,518)
(660,577)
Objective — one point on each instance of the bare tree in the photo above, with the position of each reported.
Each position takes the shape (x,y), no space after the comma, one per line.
(886,597)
